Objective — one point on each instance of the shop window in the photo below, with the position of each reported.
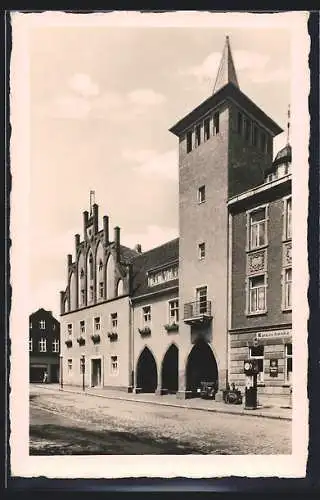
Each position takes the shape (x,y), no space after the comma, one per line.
(258,354)
(288,363)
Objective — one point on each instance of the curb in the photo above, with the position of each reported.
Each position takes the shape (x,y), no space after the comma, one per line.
(173,405)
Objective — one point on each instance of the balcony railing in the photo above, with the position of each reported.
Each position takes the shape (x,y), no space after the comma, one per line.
(198,311)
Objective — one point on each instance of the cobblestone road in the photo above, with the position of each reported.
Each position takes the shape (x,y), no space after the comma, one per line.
(64,423)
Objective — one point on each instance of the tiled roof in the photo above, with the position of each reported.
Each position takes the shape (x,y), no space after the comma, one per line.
(127,254)
(156,257)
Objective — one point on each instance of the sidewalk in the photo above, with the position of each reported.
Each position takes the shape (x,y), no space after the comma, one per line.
(269,411)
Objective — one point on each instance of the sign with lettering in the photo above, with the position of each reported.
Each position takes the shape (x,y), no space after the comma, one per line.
(274,334)
(273,367)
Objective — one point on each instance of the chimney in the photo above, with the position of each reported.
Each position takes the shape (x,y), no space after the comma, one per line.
(117,242)
(85,223)
(105,230)
(77,242)
(95,212)
(138,248)
(69,258)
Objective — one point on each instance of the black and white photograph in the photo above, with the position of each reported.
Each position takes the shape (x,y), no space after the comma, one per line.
(159,253)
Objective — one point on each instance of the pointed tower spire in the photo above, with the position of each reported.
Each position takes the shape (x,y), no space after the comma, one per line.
(226,72)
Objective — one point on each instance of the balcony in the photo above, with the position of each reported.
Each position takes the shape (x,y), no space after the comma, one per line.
(197,312)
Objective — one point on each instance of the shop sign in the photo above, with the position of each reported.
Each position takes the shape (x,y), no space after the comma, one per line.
(273,367)
(274,334)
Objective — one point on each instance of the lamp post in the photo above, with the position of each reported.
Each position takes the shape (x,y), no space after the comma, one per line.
(83,370)
(61,371)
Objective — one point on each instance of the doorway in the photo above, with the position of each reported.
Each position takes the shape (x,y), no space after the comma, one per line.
(147,376)
(95,372)
(201,367)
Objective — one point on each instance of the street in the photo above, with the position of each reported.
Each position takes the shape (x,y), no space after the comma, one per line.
(63,423)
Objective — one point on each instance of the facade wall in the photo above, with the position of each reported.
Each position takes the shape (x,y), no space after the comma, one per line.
(206,222)
(103,350)
(160,340)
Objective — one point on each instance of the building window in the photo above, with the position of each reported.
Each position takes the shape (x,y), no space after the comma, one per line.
(69,365)
(272,177)
(257,228)
(189,141)
(91,293)
(207,129)
(258,354)
(114,320)
(216,123)
(101,289)
(114,365)
(239,123)
(288,218)
(69,329)
(287,291)
(174,311)
(100,265)
(201,297)
(247,129)
(83,298)
(255,135)
(201,251)
(30,345)
(91,266)
(162,275)
(82,273)
(198,135)
(257,294)
(97,323)
(43,345)
(42,324)
(202,194)
(82,326)
(146,314)
(288,363)
(55,345)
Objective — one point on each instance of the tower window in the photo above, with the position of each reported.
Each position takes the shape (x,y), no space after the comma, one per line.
(247,129)
(255,135)
(239,123)
(207,129)
(198,135)
(201,251)
(189,142)
(202,194)
(216,123)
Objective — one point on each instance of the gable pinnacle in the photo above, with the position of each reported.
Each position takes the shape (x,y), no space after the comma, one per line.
(226,72)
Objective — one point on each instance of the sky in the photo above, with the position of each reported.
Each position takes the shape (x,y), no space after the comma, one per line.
(102,101)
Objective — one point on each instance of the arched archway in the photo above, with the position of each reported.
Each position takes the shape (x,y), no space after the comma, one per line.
(201,366)
(169,371)
(147,376)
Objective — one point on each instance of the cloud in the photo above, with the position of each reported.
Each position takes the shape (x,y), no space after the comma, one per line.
(153,236)
(146,97)
(163,165)
(83,84)
(253,64)
(108,104)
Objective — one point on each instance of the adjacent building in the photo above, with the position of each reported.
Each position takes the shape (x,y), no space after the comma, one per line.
(196,307)
(44,346)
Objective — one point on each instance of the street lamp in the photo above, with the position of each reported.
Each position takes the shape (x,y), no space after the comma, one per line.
(82,361)
(61,371)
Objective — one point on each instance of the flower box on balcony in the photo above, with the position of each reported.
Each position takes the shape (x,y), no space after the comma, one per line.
(112,336)
(68,343)
(172,327)
(145,332)
(81,340)
(95,338)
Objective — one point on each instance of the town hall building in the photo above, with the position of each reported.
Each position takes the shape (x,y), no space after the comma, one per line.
(194,308)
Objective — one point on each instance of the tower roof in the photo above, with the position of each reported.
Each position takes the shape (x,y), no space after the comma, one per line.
(226,72)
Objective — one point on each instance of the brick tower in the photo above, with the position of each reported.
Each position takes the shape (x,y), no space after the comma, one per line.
(225,146)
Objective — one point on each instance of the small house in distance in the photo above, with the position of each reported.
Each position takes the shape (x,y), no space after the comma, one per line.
(44,346)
